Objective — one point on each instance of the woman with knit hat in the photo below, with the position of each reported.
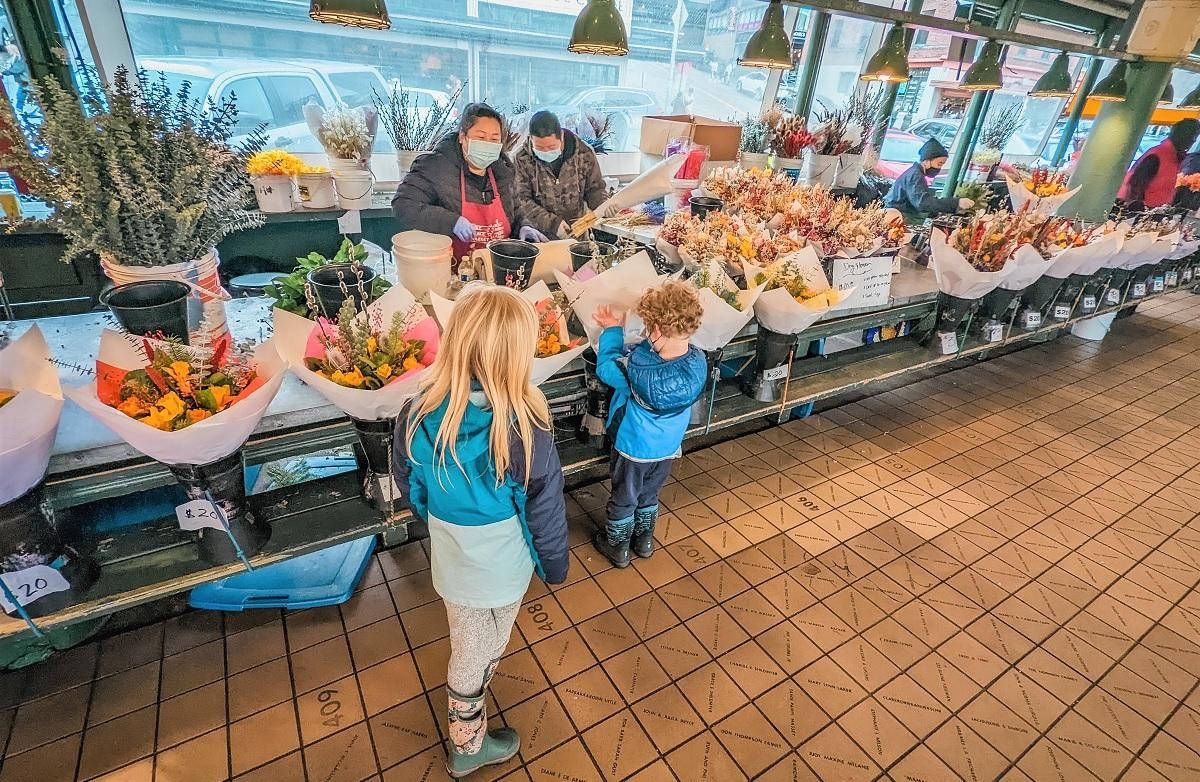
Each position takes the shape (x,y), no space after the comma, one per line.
(911,194)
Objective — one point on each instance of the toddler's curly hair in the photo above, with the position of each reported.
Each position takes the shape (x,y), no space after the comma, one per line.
(673,307)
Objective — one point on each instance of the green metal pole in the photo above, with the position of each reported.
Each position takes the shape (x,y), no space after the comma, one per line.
(33,26)
(890,91)
(1113,140)
(1085,89)
(810,61)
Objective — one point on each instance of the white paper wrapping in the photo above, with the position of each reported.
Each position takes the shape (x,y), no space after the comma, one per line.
(619,288)
(955,275)
(1043,205)
(1133,250)
(1183,249)
(721,322)
(1161,247)
(1087,259)
(1026,265)
(29,422)
(200,443)
(654,183)
(543,368)
(292,333)
(777,311)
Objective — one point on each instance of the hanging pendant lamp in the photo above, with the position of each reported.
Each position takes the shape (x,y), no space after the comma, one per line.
(371,14)
(1112,88)
(1191,101)
(1168,96)
(771,46)
(1056,82)
(599,29)
(984,73)
(890,62)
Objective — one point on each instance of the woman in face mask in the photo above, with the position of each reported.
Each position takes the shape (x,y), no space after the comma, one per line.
(911,194)
(465,187)
(558,177)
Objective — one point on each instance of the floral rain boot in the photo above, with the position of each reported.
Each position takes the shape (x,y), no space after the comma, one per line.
(643,530)
(613,541)
(471,746)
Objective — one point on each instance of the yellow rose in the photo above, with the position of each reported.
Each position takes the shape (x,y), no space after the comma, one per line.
(383,371)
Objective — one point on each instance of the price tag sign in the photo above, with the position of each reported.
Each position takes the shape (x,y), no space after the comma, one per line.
(775,373)
(1089,303)
(1113,296)
(949,342)
(1158,284)
(995,332)
(31,583)
(1187,275)
(1139,290)
(1172,279)
(197,514)
(1031,319)
(1062,311)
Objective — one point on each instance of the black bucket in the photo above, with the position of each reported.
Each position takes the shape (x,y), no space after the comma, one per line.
(1139,285)
(512,262)
(702,205)
(954,311)
(700,409)
(582,252)
(151,308)
(771,352)
(1041,292)
(225,480)
(327,282)
(996,304)
(1072,292)
(599,396)
(375,439)
(29,537)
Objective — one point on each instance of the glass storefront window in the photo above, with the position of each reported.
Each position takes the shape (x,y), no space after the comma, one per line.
(511,53)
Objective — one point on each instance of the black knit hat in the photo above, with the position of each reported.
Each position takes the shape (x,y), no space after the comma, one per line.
(932,150)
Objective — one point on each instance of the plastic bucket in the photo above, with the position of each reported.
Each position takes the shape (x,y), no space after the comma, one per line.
(996,303)
(1041,292)
(225,481)
(316,191)
(581,252)
(702,205)
(405,159)
(336,282)
(274,193)
(512,262)
(849,171)
(340,165)
(423,262)
(681,192)
(206,309)
(151,308)
(819,169)
(354,188)
(749,160)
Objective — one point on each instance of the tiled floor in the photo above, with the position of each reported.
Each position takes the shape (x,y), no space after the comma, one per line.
(986,575)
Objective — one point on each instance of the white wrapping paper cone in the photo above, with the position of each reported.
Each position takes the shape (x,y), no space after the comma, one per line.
(1088,259)
(778,311)
(543,368)
(1026,265)
(619,288)
(292,335)
(655,183)
(201,443)
(955,275)
(721,321)
(29,422)
(1133,250)
(1043,205)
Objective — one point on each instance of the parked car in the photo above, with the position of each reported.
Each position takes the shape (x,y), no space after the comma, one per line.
(901,148)
(625,107)
(273,93)
(753,83)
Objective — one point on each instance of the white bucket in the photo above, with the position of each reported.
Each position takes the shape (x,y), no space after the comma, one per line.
(849,171)
(339,164)
(206,305)
(274,193)
(1095,328)
(791,166)
(681,193)
(749,160)
(422,263)
(354,188)
(819,170)
(405,158)
(316,190)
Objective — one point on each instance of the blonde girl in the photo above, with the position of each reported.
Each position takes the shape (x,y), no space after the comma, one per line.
(475,458)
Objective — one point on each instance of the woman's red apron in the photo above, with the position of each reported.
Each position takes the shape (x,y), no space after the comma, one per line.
(489,220)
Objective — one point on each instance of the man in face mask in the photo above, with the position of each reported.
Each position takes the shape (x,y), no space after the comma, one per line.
(558,177)
(911,194)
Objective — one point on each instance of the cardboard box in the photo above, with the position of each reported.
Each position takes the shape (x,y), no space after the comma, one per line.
(721,138)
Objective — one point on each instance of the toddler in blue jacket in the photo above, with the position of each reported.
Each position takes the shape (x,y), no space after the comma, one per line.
(654,387)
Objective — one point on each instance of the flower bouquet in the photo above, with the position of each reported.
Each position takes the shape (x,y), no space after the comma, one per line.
(652,184)
(368,363)
(347,133)
(755,194)
(191,408)
(789,139)
(968,265)
(795,292)
(727,307)
(835,136)
(555,348)
(31,551)
(1044,191)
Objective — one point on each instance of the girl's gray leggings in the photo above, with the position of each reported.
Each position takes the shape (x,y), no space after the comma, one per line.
(478,637)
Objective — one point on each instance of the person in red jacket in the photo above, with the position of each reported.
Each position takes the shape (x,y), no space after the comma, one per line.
(1151,181)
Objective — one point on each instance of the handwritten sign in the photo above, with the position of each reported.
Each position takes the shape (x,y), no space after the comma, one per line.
(31,583)
(197,514)
(871,279)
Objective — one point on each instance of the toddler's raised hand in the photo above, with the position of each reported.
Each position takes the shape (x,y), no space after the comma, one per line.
(605,318)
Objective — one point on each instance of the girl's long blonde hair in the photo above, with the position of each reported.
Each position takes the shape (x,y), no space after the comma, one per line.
(490,339)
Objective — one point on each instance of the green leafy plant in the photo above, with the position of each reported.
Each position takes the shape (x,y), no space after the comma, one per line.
(138,172)
(978,192)
(287,291)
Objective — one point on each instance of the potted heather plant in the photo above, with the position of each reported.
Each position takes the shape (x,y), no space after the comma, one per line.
(145,176)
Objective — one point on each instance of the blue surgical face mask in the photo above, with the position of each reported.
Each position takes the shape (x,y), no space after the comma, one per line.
(482,154)
(548,155)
